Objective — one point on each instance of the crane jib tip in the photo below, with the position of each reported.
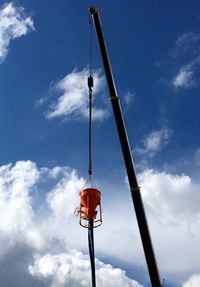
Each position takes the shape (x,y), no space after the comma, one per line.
(93,10)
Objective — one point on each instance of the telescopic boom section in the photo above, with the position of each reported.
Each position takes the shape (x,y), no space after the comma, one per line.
(134,188)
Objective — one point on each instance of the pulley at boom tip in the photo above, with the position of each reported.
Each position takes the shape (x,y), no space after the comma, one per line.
(93,10)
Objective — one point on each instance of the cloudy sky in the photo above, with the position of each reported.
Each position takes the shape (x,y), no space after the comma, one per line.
(154,48)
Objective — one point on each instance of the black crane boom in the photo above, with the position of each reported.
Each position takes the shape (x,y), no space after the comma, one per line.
(134,187)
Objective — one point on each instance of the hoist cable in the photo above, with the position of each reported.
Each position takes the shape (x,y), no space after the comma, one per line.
(90,46)
(90,222)
(90,85)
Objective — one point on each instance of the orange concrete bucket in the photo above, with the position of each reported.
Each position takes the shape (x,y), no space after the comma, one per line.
(90,203)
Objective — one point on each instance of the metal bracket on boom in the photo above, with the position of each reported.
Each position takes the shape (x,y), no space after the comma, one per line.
(113,98)
(135,189)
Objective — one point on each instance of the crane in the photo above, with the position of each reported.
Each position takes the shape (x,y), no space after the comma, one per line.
(127,155)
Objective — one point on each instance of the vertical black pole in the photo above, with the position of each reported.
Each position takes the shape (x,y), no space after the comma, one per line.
(91,251)
(134,188)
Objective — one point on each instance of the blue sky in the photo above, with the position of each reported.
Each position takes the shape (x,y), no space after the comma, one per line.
(154,48)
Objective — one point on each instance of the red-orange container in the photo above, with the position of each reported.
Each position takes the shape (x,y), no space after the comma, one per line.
(90,198)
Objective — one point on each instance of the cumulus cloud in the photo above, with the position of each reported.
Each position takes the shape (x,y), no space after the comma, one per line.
(38,228)
(193,281)
(162,193)
(154,142)
(73,101)
(172,203)
(17,216)
(37,206)
(73,269)
(14,23)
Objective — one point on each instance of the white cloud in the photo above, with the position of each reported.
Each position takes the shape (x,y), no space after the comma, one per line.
(172,203)
(184,78)
(17,216)
(74,99)
(155,141)
(63,198)
(187,50)
(187,43)
(193,281)
(164,200)
(37,218)
(73,269)
(19,220)
(187,75)
(13,24)
(129,98)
